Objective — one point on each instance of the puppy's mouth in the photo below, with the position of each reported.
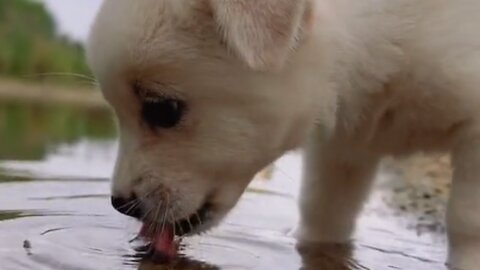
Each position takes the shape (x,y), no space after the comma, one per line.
(161,233)
(194,223)
(181,227)
(162,236)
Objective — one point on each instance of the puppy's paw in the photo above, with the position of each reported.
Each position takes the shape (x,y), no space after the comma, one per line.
(307,235)
(464,253)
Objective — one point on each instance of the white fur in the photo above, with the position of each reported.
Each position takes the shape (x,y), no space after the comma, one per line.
(351,80)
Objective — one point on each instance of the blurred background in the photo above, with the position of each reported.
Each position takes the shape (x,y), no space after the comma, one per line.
(47,93)
(40,37)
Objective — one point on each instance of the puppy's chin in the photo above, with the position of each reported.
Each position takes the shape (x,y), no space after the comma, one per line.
(196,224)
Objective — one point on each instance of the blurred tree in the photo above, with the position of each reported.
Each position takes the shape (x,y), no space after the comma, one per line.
(30,46)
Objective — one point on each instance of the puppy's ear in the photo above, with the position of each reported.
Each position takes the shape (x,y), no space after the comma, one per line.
(260,32)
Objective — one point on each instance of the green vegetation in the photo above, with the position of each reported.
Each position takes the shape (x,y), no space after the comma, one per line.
(28,130)
(30,46)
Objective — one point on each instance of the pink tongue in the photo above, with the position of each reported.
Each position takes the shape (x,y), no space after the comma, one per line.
(162,242)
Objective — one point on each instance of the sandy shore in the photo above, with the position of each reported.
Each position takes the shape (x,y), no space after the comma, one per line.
(51,94)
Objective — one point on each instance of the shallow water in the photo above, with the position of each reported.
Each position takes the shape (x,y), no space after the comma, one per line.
(55,211)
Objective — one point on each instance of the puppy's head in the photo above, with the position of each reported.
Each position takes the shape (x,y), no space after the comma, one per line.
(207,93)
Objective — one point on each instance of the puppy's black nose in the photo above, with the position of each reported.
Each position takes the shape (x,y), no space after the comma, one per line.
(130,207)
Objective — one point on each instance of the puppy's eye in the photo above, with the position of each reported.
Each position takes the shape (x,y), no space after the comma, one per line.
(162,113)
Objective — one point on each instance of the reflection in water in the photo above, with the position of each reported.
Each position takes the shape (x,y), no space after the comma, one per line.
(181,263)
(5,177)
(328,256)
(27,132)
(8,215)
(55,211)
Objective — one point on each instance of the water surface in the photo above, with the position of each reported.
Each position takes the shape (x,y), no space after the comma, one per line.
(55,212)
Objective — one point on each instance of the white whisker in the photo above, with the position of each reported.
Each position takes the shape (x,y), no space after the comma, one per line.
(200,222)
(190,224)
(67,74)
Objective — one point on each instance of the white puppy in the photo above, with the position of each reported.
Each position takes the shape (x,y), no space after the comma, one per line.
(208,92)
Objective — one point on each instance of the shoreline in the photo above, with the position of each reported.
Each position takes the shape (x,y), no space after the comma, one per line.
(50,94)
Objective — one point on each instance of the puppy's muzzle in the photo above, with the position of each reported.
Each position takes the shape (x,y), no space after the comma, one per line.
(130,207)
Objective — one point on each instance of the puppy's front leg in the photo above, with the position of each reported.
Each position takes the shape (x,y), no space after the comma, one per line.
(336,182)
(463,215)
